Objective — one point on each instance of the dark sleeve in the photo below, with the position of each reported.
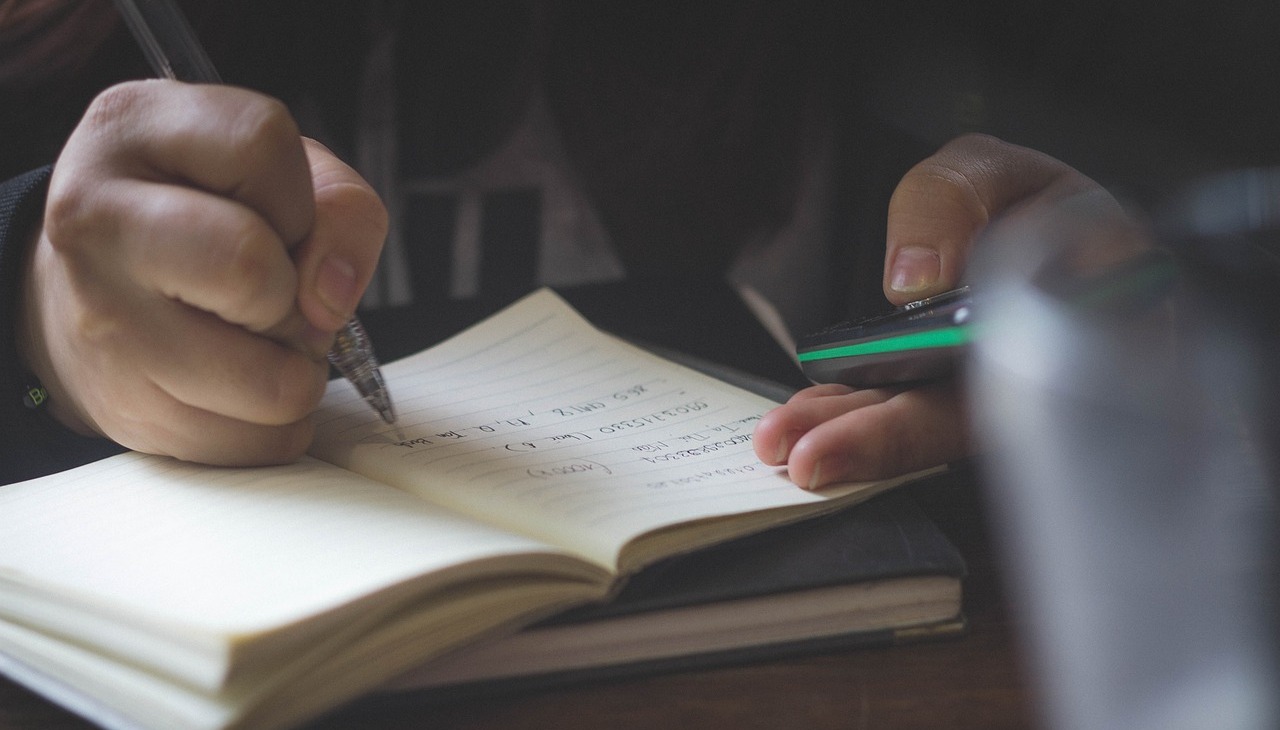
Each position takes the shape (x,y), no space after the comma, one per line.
(31,443)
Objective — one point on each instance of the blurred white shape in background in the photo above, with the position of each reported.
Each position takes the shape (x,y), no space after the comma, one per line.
(1124,412)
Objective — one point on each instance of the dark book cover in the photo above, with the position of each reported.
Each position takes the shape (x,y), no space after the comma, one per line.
(886,537)
(876,546)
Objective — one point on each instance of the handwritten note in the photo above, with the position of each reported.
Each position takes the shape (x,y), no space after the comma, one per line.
(538,421)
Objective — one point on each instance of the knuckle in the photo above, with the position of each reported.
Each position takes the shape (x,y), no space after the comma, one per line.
(115,106)
(70,217)
(263,129)
(948,185)
(252,279)
(956,179)
(249,260)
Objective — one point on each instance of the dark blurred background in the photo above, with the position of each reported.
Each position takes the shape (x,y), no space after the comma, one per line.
(700,104)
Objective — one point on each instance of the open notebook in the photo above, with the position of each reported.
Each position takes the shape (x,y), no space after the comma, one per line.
(538,462)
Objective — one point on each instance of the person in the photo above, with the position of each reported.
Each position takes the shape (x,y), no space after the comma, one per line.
(174,279)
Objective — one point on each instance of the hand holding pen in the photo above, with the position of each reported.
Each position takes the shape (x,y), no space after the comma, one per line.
(195,260)
(174,52)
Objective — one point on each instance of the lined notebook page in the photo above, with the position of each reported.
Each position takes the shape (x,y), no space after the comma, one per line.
(166,563)
(538,421)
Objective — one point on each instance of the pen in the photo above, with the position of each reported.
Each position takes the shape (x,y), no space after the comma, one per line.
(174,52)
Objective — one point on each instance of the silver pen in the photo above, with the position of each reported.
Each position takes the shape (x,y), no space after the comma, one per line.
(174,52)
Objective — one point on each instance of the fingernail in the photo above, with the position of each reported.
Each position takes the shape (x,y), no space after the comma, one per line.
(822,470)
(915,269)
(784,448)
(336,286)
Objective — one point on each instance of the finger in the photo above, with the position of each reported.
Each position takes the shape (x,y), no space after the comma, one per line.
(208,365)
(942,203)
(185,432)
(193,357)
(911,430)
(779,429)
(819,391)
(229,141)
(205,251)
(338,257)
(124,363)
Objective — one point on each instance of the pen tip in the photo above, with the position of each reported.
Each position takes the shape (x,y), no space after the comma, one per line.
(382,404)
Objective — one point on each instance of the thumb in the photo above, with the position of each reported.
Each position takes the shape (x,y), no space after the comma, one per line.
(944,202)
(337,258)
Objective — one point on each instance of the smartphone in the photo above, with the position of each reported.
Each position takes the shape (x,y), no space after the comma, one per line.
(918,341)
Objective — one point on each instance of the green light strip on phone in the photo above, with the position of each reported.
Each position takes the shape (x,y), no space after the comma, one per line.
(946,337)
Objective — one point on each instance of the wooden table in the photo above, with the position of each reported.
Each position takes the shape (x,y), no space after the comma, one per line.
(973,681)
